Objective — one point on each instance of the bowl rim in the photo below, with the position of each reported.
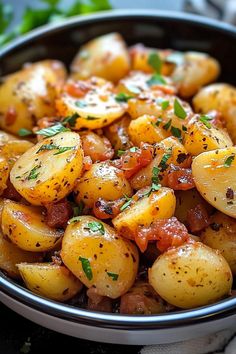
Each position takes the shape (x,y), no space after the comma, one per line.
(221,309)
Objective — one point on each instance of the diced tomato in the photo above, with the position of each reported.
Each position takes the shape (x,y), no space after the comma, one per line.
(180,178)
(198,218)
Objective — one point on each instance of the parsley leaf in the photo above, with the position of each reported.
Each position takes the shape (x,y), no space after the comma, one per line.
(179,110)
(165,105)
(86,267)
(155,174)
(126,204)
(96,226)
(133,149)
(63,149)
(80,104)
(167,125)
(156,79)
(91,118)
(155,62)
(163,163)
(120,152)
(176,132)
(229,161)
(47,147)
(205,120)
(71,120)
(114,276)
(73,220)
(184,128)
(123,97)
(34,173)
(53,130)
(24,132)
(157,122)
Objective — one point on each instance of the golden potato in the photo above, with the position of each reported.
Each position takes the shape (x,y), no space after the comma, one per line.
(50,280)
(99,257)
(221,235)
(191,275)
(25,226)
(48,171)
(4,173)
(214,177)
(117,133)
(204,137)
(158,205)
(144,129)
(105,56)
(96,146)
(13,149)
(101,181)
(29,94)
(221,97)
(197,70)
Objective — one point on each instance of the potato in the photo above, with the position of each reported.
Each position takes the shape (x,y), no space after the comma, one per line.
(50,280)
(117,133)
(99,257)
(214,177)
(101,181)
(158,205)
(29,94)
(191,275)
(5,138)
(221,235)
(201,137)
(144,129)
(197,70)
(104,56)
(171,147)
(25,226)
(48,171)
(4,173)
(96,105)
(186,200)
(96,146)
(221,97)
(13,149)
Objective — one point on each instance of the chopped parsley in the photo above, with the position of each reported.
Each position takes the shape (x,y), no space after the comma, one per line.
(86,267)
(120,152)
(184,128)
(133,149)
(155,174)
(155,61)
(78,209)
(163,163)
(91,118)
(24,132)
(179,110)
(47,147)
(71,120)
(80,104)
(176,132)
(167,125)
(205,120)
(114,276)
(34,173)
(126,204)
(156,79)
(96,226)
(74,219)
(62,149)
(165,105)
(157,122)
(123,97)
(229,161)
(53,130)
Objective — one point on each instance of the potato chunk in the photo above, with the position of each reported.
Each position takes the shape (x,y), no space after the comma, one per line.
(214,176)
(48,171)
(4,173)
(104,56)
(50,280)
(99,257)
(191,275)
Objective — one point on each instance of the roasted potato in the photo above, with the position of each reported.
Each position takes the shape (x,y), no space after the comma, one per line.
(221,97)
(105,56)
(48,171)
(13,149)
(191,275)
(117,133)
(221,235)
(99,257)
(97,147)
(101,181)
(29,94)
(214,177)
(25,226)
(50,280)
(4,173)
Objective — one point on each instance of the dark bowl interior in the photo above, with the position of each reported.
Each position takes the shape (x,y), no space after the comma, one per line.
(153,28)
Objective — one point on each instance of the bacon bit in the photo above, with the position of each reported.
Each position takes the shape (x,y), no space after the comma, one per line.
(87,163)
(77,89)
(97,302)
(10,116)
(11,193)
(167,232)
(180,178)
(104,209)
(132,162)
(198,218)
(58,214)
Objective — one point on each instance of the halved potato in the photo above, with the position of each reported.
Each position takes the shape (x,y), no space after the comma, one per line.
(191,275)
(117,133)
(25,226)
(13,149)
(105,56)
(4,173)
(48,171)
(99,257)
(214,176)
(29,94)
(96,106)
(50,280)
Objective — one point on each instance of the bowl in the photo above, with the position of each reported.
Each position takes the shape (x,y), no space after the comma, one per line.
(61,41)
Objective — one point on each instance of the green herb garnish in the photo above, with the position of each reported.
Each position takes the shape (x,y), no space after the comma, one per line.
(157,122)
(73,220)
(114,276)
(184,128)
(229,161)
(78,209)
(176,132)
(126,204)
(80,104)
(155,175)
(155,62)
(123,97)
(205,120)
(91,118)
(34,173)
(86,267)
(156,79)
(96,226)
(167,125)
(63,149)
(179,110)
(24,132)
(47,147)
(71,120)
(163,163)
(165,105)
(120,152)
(133,149)
(53,130)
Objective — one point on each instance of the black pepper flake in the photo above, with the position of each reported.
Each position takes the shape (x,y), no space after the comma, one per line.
(229,193)
(181,158)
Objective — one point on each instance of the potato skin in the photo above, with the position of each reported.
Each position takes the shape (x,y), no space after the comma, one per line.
(54,176)
(101,181)
(29,94)
(4,173)
(50,280)
(105,56)
(221,97)
(25,226)
(106,253)
(191,275)
(215,181)
(221,235)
